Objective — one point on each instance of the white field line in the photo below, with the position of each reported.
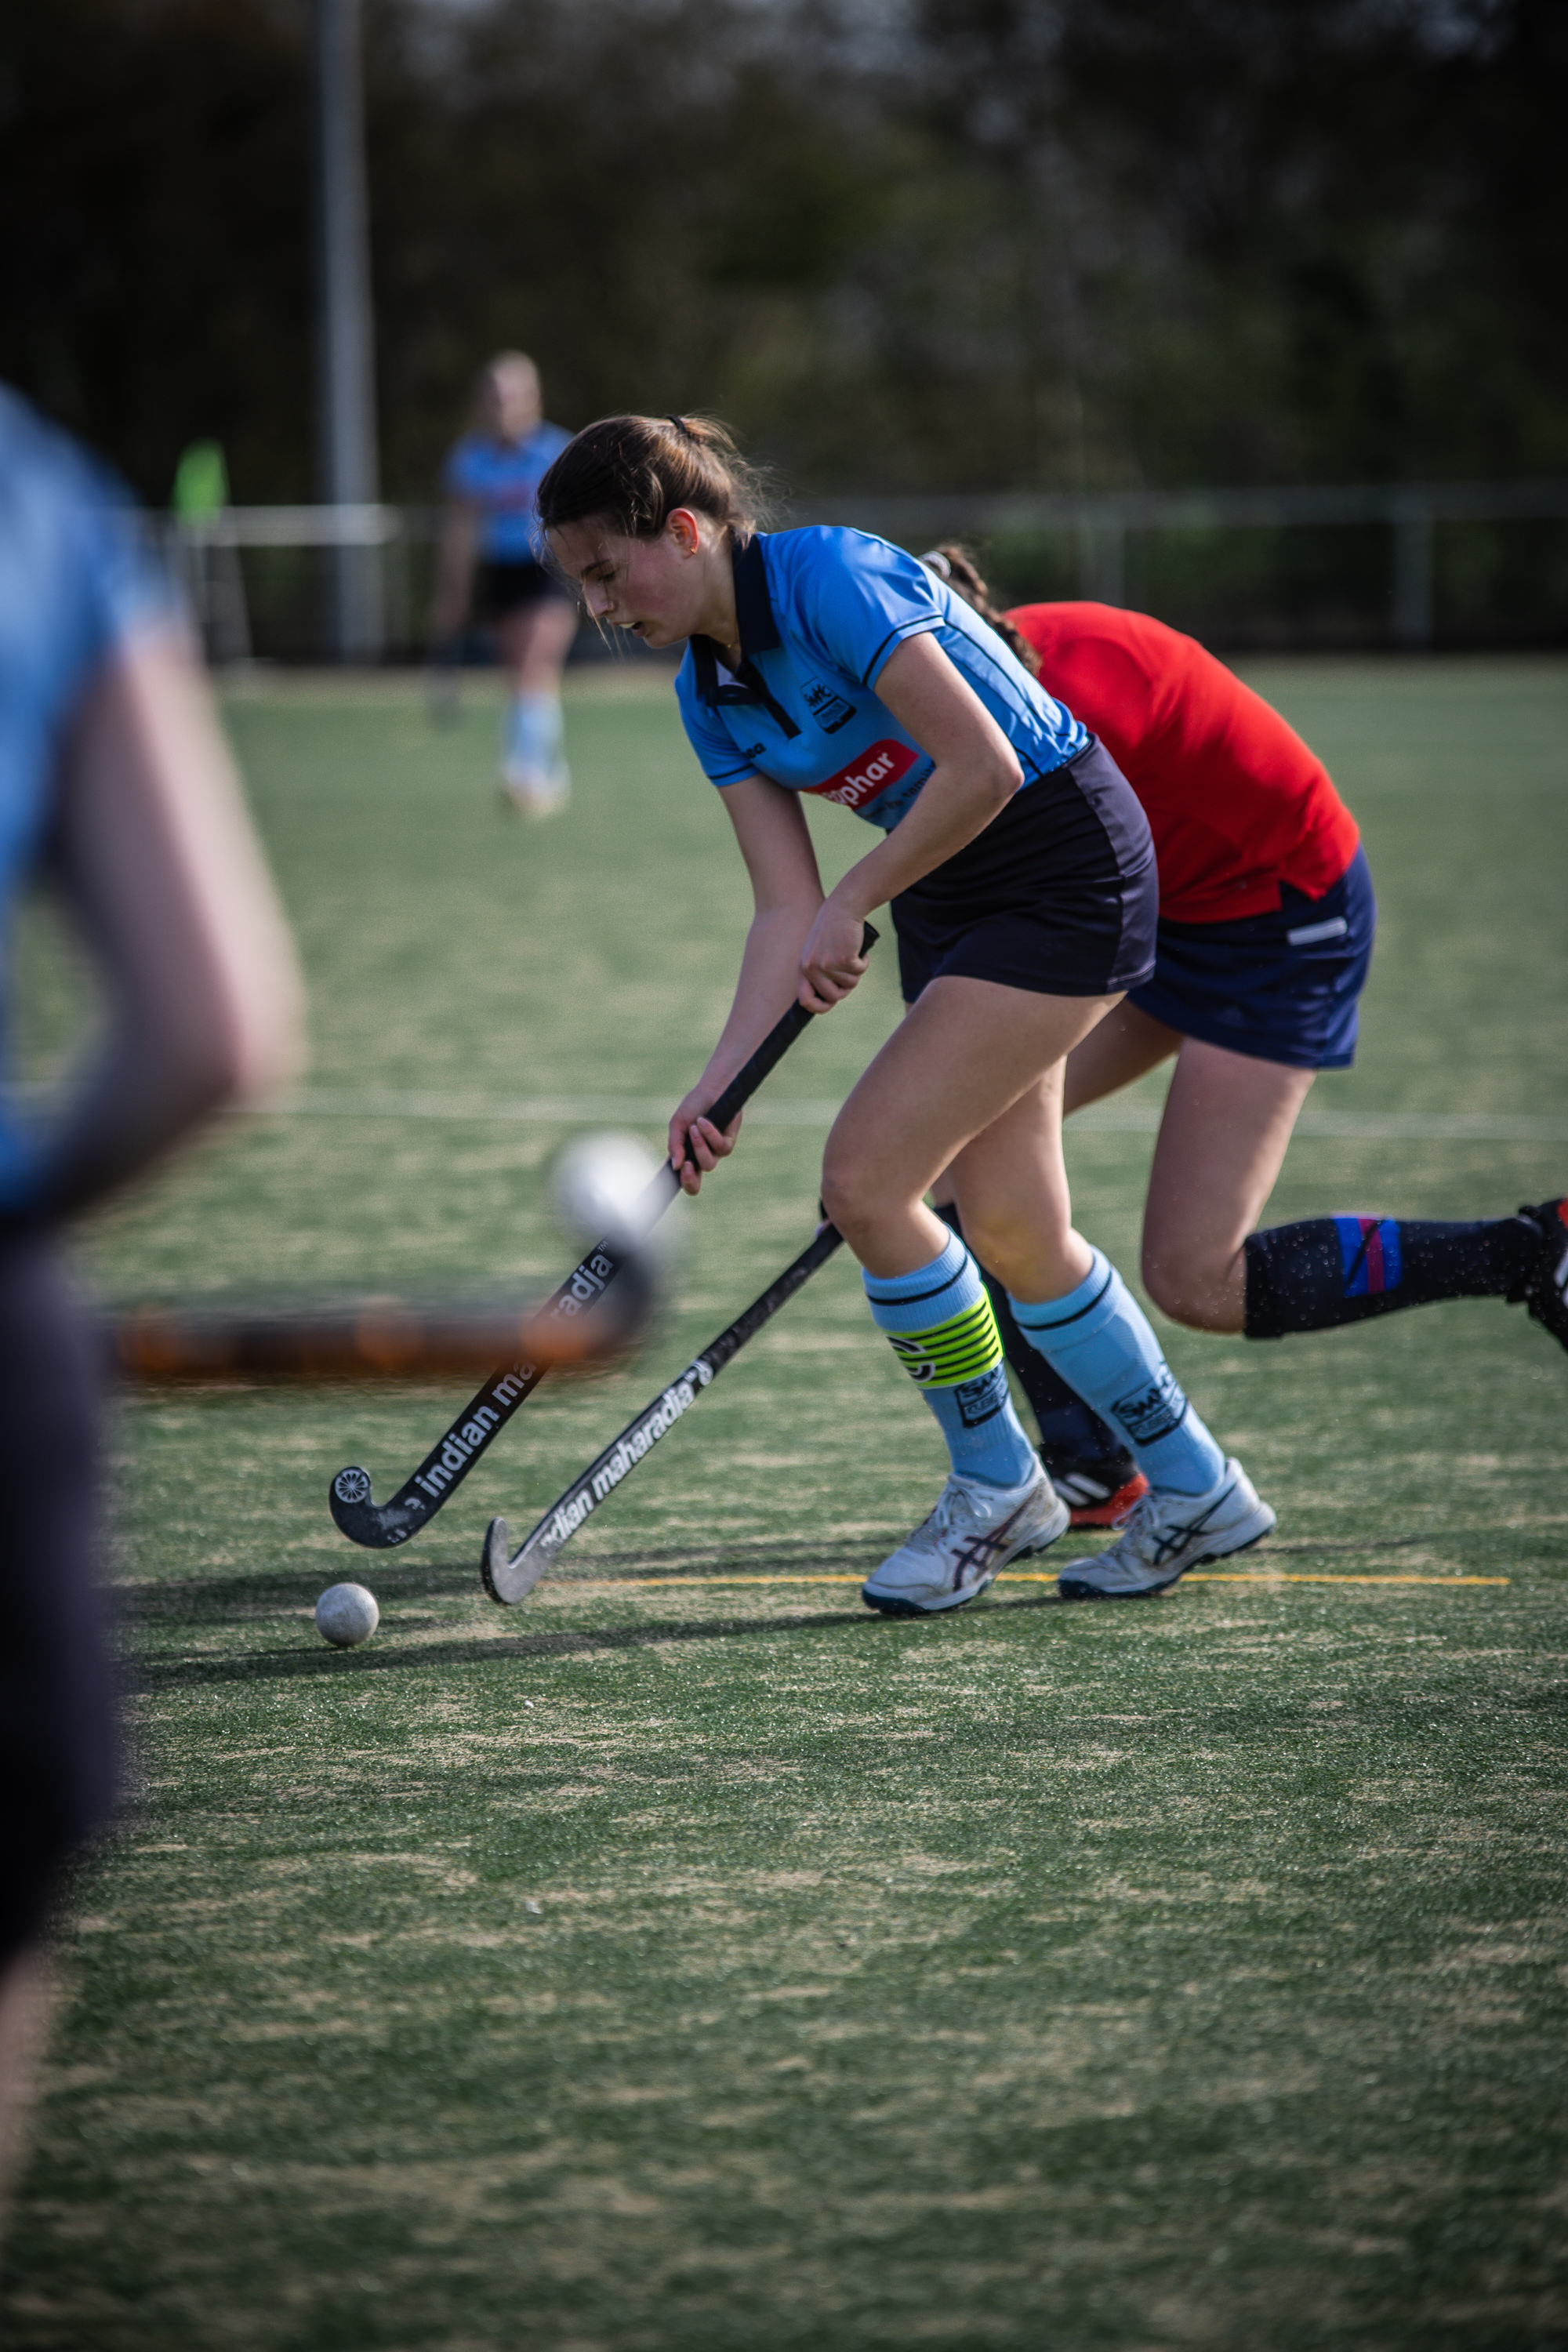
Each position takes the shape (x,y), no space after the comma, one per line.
(527,1110)
(820,1111)
(646,1110)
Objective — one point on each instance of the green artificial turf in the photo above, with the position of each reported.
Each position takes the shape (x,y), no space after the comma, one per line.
(687,1959)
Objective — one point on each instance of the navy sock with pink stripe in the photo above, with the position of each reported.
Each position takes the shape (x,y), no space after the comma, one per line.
(1331,1270)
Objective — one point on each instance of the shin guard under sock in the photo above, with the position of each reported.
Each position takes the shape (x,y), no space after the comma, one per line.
(940,1327)
(1099,1338)
(1332,1270)
(1070,1430)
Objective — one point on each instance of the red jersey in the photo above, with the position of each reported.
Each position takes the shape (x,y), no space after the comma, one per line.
(1236,802)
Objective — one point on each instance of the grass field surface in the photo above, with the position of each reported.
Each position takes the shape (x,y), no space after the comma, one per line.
(688,1959)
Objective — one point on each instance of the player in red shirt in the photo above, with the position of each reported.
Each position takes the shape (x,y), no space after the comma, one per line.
(1266,929)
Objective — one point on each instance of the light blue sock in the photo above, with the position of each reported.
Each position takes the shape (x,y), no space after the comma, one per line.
(533,732)
(1097,1337)
(941,1329)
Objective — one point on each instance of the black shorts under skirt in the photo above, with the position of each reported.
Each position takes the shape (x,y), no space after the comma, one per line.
(57,1697)
(1059,894)
(507,587)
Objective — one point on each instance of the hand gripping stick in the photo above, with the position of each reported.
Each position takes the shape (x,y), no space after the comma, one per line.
(381,1525)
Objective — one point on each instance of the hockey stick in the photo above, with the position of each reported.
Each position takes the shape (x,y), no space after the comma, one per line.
(509,1578)
(378,1339)
(380,1526)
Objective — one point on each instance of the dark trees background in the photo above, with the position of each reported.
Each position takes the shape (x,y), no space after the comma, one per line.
(962,244)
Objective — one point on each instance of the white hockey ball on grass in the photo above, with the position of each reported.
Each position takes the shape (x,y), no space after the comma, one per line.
(346,1614)
(598,1185)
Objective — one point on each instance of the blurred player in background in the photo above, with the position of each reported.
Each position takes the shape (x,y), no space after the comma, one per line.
(116,786)
(1021,876)
(1265,932)
(490,528)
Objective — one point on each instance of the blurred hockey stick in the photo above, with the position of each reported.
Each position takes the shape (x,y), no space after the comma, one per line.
(377,1338)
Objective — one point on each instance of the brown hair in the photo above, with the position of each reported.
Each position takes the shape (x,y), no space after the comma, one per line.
(634,471)
(958,568)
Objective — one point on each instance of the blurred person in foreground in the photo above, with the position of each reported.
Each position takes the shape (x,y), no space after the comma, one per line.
(490,536)
(115,785)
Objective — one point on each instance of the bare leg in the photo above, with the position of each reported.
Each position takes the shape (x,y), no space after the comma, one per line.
(972,1077)
(534,643)
(1227,1123)
(1126,1045)
(971,1073)
(1226,1126)
(1121,1047)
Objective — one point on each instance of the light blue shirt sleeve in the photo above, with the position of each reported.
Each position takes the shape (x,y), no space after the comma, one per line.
(857,599)
(501,480)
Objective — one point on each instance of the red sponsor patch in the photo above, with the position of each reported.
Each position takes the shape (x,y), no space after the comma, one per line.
(871,773)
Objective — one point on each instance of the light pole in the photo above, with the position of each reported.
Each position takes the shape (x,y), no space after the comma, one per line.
(346,458)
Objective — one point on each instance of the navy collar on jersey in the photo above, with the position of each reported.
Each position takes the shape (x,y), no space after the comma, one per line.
(758,632)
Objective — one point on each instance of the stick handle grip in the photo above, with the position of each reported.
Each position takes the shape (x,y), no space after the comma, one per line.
(770,1052)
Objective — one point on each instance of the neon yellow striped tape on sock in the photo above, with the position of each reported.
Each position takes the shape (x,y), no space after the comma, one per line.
(964,1347)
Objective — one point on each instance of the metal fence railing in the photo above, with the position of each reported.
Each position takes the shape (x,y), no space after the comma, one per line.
(1102,523)
(1360,565)
(325,581)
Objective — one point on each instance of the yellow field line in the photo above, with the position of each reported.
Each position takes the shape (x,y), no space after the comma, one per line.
(1046,1576)
(1293,1576)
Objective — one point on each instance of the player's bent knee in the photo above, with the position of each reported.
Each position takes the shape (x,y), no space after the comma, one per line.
(852,1204)
(859,1202)
(1189,1293)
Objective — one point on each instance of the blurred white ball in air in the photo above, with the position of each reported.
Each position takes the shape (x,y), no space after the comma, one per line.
(346,1613)
(598,1185)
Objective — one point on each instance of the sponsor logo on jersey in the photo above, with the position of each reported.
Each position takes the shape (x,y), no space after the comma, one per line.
(828,706)
(871,773)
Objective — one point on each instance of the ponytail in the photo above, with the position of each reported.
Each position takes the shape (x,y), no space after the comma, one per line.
(958,568)
(632,472)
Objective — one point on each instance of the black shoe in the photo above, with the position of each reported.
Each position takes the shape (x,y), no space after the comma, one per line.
(1098,1491)
(1544,1289)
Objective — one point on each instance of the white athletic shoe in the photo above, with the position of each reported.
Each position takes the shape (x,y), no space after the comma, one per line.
(1165,1534)
(531,790)
(975,1530)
